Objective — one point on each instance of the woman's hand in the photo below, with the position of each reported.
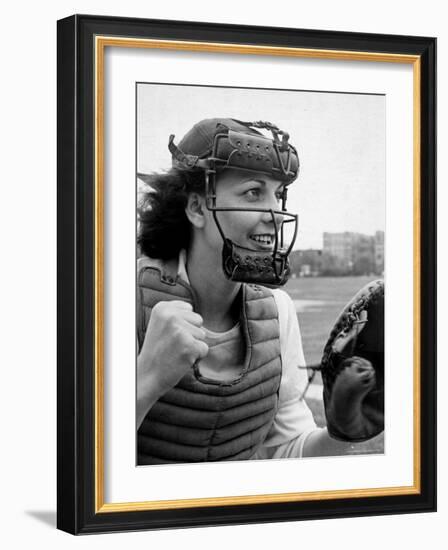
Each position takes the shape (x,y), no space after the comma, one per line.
(349,409)
(174,341)
(355,409)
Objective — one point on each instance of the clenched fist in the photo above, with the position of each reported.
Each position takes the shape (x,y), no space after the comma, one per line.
(174,341)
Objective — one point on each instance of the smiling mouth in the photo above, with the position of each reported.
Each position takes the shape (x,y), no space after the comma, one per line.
(264,241)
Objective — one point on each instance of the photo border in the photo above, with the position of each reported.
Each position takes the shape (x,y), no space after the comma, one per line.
(82,41)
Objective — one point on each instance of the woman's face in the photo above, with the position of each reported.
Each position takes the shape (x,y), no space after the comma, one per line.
(253,230)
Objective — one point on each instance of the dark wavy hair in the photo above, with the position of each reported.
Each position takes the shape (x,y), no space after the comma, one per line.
(164,228)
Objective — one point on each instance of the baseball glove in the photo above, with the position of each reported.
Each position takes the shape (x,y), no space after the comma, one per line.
(353,368)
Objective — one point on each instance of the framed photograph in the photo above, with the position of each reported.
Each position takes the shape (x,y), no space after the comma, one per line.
(246,274)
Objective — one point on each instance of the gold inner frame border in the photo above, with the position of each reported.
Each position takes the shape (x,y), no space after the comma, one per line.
(100,44)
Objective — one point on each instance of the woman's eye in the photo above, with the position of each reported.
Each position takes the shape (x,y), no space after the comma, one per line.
(253,194)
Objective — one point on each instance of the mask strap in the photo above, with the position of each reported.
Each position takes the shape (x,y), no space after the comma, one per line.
(186,161)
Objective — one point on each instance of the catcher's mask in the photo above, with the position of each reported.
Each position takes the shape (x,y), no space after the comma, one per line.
(213,145)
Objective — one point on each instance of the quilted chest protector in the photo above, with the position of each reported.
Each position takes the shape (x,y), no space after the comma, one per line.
(202,419)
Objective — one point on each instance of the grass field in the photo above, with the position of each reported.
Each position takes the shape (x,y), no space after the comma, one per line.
(318,302)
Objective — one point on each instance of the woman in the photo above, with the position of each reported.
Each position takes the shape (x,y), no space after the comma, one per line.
(217,375)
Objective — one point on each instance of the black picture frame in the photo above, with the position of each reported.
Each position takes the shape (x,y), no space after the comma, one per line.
(79,507)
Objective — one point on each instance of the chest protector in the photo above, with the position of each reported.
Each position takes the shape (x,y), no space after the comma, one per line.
(201,419)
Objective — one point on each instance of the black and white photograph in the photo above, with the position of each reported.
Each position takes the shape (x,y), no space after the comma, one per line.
(245,274)
(260,266)
(224,275)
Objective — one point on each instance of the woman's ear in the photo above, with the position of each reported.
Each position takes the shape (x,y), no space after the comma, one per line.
(195,209)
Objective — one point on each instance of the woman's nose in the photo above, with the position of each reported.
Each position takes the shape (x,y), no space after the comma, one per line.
(272,217)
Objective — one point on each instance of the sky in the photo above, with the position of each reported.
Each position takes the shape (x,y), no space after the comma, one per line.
(340,139)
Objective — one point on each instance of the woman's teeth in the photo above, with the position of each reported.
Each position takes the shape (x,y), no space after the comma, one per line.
(263,239)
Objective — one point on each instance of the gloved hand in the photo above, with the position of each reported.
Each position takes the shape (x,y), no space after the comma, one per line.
(353,368)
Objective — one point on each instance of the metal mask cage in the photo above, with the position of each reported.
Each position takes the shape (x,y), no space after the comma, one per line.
(249,151)
(279,254)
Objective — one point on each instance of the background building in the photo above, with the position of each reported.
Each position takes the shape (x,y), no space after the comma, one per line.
(379,252)
(346,253)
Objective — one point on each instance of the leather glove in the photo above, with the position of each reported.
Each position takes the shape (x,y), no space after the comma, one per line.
(353,368)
